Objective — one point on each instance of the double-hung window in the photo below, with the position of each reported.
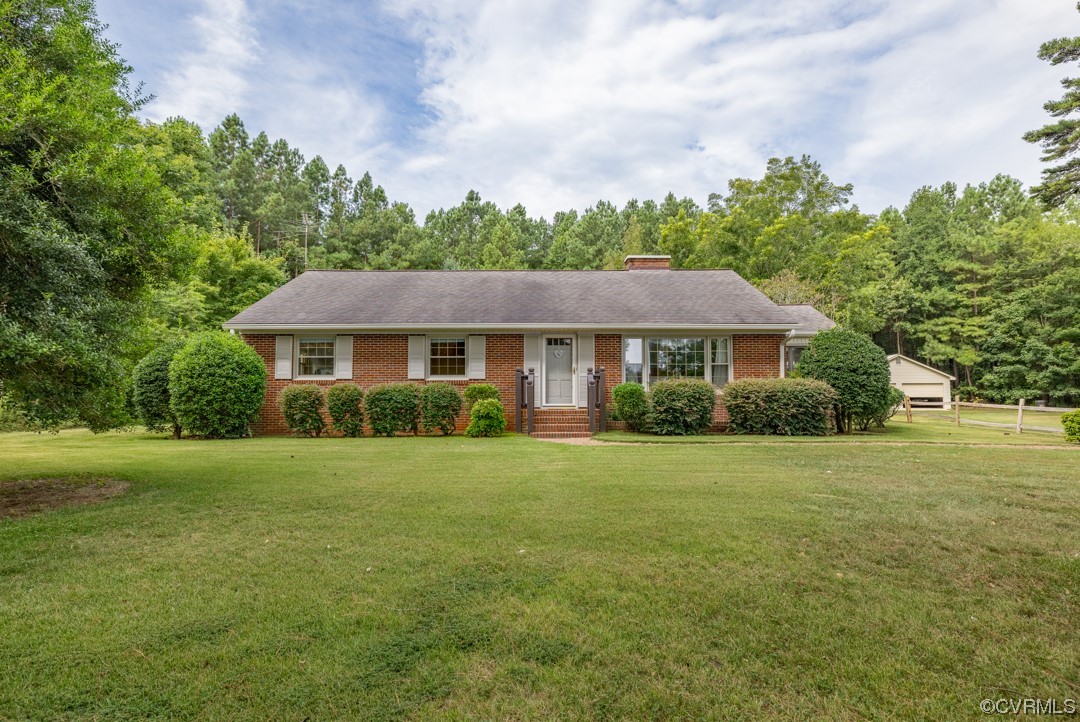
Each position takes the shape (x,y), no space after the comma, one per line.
(719,360)
(315,357)
(633,360)
(446,357)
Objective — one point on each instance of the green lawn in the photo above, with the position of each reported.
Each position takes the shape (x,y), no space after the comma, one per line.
(456,578)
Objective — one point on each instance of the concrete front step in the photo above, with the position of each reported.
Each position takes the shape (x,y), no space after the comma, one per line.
(561,434)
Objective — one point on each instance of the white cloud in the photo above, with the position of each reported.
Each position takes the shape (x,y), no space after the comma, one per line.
(211,81)
(561,103)
(558,104)
(953,103)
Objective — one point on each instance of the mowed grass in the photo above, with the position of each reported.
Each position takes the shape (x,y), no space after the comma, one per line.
(510,578)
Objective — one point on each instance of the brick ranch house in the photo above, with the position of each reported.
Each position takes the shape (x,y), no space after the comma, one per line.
(645,323)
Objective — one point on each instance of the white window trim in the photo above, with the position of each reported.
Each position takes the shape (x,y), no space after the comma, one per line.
(708,358)
(428,376)
(297,340)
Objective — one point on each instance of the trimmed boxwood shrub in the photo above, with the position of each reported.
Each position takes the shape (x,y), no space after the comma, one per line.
(440,404)
(1071,421)
(217,384)
(788,407)
(478,392)
(631,405)
(487,418)
(344,402)
(302,405)
(856,367)
(150,389)
(392,408)
(681,407)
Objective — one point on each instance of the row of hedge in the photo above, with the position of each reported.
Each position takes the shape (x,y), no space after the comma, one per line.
(213,385)
(787,407)
(674,407)
(390,409)
(841,383)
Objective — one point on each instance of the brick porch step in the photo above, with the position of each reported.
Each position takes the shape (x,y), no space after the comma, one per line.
(541,426)
(561,434)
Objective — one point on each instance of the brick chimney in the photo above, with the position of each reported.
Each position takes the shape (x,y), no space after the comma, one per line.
(647,263)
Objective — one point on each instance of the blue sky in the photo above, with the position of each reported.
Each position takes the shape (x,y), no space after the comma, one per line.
(561,103)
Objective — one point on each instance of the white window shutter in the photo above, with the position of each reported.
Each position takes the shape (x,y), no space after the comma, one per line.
(417,356)
(532,352)
(477,357)
(283,357)
(343,357)
(586,360)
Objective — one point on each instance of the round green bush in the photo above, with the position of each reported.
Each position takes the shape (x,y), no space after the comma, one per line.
(217,384)
(487,418)
(302,405)
(478,392)
(392,408)
(344,402)
(150,389)
(631,405)
(1071,421)
(681,407)
(856,367)
(440,404)
(788,407)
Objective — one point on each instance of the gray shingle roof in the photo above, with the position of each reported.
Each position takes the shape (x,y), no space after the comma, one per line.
(361,299)
(810,319)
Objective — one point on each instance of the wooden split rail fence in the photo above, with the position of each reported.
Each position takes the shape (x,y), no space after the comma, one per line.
(1019,426)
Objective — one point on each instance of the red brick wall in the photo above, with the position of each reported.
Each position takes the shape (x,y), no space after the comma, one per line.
(608,354)
(757,355)
(384,358)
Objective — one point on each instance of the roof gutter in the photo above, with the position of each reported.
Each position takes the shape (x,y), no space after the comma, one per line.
(415,328)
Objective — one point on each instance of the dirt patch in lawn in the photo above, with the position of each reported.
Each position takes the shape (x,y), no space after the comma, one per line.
(23,497)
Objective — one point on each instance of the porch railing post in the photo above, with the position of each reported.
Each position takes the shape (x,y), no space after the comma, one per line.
(601,400)
(590,403)
(519,397)
(530,399)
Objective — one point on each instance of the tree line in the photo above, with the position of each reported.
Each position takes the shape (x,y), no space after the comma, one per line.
(118,235)
(981,281)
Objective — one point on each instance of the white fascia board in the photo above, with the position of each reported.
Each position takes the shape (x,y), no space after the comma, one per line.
(511,327)
(894,356)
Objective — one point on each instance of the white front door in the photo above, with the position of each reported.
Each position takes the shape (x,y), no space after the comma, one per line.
(559,371)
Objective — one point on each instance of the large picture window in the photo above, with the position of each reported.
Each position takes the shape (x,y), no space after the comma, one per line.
(315,357)
(648,360)
(676,357)
(446,357)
